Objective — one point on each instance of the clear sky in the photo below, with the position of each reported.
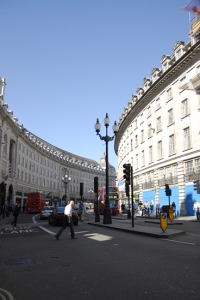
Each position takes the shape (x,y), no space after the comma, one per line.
(68,62)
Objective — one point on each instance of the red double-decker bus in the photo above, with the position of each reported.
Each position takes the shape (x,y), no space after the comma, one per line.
(36,202)
(113,196)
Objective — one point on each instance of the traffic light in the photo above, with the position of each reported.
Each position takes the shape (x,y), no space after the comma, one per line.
(127,173)
(127,189)
(81,188)
(196,186)
(96,184)
(167,190)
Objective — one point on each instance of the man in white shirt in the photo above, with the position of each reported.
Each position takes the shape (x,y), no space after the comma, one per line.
(67,219)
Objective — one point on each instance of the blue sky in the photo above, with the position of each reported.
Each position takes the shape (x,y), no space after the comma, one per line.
(68,62)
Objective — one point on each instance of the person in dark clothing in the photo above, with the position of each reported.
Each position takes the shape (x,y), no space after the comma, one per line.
(15,214)
(174,208)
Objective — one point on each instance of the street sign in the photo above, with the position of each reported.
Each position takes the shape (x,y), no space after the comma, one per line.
(163,221)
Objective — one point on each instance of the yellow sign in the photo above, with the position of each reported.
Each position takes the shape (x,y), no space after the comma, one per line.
(171,215)
(163,221)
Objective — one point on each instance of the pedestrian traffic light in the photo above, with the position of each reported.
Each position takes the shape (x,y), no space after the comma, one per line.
(81,188)
(127,173)
(96,184)
(167,190)
(197,186)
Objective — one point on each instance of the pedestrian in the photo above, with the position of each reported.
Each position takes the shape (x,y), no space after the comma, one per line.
(157,209)
(151,207)
(143,209)
(16,214)
(67,220)
(195,207)
(81,210)
(174,208)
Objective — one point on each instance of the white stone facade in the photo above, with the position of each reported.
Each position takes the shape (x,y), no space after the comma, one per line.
(33,164)
(159,130)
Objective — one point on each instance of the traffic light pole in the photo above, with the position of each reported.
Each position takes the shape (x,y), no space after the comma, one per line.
(133,209)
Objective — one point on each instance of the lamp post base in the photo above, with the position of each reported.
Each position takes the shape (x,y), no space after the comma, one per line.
(97,217)
(107,216)
(129,214)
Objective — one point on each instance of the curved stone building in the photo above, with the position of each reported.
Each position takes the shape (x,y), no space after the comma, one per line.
(28,163)
(159,130)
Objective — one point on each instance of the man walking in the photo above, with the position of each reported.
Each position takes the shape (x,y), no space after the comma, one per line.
(67,219)
(15,214)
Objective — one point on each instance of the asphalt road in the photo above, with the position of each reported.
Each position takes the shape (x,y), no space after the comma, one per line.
(101,264)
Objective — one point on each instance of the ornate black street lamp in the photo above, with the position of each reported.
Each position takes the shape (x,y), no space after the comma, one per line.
(66,179)
(107,214)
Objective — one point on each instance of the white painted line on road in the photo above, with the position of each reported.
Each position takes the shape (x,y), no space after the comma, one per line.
(33,218)
(51,232)
(193,234)
(178,242)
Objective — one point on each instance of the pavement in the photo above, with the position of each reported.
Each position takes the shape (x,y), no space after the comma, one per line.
(152,231)
(126,225)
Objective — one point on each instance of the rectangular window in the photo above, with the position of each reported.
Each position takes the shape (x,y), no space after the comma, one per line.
(143,159)
(148,111)
(168,172)
(171,144)
(175,170)
(135,124)
(183,81)
(186,138)
(161,173)
(149,133)
(160,150)
(158,125)
(184,107)
(158,103)
(150,154)
(170,116)
(136,141)
(136,161)
(169,94)
(197,165)
(131,144)
(142,136)
(188,167)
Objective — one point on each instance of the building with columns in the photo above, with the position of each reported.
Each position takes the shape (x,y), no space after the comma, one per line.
(159,129)
(28,164)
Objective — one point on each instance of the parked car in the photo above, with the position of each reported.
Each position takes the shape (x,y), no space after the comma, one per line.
(56,217)
(89,205)
(45,212)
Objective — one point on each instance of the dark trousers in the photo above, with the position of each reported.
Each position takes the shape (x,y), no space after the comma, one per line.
(65,224)
(14,223)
